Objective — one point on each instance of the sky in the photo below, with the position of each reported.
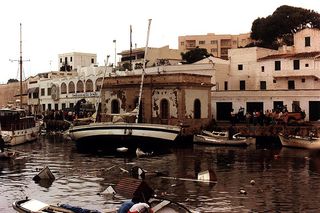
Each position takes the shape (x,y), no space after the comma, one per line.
(52,27)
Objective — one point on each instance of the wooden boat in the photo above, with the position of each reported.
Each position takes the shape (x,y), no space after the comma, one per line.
(236,140)
(109,136)
(16,127)
(216,134)
(308,142)
(36,206)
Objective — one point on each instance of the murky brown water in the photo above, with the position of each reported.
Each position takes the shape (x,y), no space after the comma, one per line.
(286,180)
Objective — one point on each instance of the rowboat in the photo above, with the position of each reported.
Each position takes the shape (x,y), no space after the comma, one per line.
(308,142)
(236,140)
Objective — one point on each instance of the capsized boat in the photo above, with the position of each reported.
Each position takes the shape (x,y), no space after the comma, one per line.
(308,142)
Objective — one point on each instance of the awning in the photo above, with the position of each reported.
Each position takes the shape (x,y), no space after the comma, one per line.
(33,90)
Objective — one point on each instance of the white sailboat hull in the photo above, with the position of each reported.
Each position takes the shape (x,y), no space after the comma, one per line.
(204,139)
(12,138)
(300,142)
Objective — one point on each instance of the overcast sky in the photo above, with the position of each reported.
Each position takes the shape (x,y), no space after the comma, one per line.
(52,27)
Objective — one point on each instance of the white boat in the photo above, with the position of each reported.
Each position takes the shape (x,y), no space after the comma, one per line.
(216,134)
(308,142)
(236,140)
(112,135)
(16,127)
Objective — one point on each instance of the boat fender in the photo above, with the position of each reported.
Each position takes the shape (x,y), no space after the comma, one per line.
(140,208)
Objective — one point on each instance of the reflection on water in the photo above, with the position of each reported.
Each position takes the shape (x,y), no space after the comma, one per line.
(285,179)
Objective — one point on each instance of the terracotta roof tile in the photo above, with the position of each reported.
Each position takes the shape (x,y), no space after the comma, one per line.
(315,54)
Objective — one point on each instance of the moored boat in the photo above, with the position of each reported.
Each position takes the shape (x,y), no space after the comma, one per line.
(308,142)
(236,140)
(17,127)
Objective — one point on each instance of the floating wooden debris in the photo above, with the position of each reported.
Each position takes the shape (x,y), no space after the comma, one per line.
(44,174)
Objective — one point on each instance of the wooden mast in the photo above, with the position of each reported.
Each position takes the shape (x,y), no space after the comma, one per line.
(143,72)
(20,62)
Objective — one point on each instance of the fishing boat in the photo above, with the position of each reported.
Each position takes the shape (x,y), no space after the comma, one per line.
(236,140)
(16,127)
(112,135)
(308,142)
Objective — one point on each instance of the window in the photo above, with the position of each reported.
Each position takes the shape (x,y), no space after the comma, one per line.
(43,107)
(277,65)
(213,42)
(262,68)
(49,107)
(202,42)
(49,91)
(306,65)
(60,60)
(115,107)
(35,95)
(263,85)
(164,109)
(307,42)
(197,109)
(296,64)
(242,85)
(56,107)
(63,88)
(71,87)
(240,67)
(92,60)
(291,85)
(42,92)
(89,86)
(181,43)
(303,80)
(226,85)
(214,50)
(80,86)
(70,59)
(274,81)
(63,106)
(71,105)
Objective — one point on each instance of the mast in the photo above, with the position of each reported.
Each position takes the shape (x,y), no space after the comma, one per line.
(130,67)
(20,62)
(143,71)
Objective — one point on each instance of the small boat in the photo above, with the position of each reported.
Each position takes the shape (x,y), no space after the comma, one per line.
(216,134)
(36,206)
(308,142)
(236,140)
(7,155)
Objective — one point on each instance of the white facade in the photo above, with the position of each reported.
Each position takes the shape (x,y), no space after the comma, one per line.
(262,78)
(76,60)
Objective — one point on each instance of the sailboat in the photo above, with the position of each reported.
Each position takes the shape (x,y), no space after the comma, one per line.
(16,127)
(112,135)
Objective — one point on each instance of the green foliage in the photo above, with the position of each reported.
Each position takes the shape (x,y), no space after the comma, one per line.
(11,80)
(195,55)
(278,28)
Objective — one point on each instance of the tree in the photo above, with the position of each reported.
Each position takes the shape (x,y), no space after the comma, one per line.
(195,55)
(11,80)
(278,28)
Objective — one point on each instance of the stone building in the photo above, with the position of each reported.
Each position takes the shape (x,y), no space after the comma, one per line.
(262,79)
(174,99)
(10,94)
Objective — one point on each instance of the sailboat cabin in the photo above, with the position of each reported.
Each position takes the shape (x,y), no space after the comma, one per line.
(173,99)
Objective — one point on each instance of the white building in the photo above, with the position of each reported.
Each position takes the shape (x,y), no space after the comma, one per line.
(261,79)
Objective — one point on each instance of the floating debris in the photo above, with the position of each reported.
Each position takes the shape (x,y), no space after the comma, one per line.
(252,182)
(242,191)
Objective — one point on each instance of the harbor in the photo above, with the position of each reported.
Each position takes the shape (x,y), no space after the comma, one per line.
(267,176)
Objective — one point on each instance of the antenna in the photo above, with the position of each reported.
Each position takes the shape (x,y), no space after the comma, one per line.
(20,63)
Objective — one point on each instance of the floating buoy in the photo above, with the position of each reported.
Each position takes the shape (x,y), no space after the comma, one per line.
(252,182)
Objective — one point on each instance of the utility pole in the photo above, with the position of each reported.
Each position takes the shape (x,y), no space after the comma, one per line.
(20,65)
(115,53)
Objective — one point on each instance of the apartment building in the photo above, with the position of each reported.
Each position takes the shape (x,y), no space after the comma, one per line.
(217,45)
(261,79)
(155,57)
(76,60)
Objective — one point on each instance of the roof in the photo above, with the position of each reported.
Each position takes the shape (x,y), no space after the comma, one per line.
(315,54)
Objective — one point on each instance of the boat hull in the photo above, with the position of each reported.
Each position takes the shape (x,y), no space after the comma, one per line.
(203,139)
(12,138)
(110,136)
(300,142)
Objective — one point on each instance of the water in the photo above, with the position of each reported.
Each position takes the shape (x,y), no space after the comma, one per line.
(286,180)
